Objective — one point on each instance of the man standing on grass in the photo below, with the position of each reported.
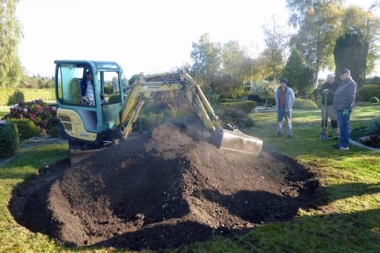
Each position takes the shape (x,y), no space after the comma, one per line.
(284,97)
(344,101)
(327,110)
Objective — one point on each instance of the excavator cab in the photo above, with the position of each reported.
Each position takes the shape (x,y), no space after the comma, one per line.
(86,125)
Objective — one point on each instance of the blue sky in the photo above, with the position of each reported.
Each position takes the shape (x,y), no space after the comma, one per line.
(147,36)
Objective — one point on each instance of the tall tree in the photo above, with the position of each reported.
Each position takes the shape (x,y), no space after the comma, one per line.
(207,59)
(364,23)
(351,52)
(257,69)
(298,73)
(234,72)
(234,58)
(273,56)
(10,34)
(319,28)
(299,8)
(322,22)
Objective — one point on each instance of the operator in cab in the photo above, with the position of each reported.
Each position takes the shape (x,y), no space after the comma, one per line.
(87,89)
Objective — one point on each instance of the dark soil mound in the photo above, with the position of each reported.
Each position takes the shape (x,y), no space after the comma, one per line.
(160,190)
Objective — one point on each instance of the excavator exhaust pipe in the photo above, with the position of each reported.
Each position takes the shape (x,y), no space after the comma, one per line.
(234,140)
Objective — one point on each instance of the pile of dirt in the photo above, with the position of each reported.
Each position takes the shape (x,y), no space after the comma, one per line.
(162,190)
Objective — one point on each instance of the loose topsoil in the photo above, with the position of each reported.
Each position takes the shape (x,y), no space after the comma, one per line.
(162,189)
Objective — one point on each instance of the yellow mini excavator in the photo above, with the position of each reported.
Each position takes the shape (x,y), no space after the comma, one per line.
(91,127)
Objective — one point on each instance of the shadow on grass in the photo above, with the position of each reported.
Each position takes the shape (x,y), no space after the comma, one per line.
(341,232)
(351,190)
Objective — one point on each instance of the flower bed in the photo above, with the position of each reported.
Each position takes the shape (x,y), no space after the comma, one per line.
(42,115)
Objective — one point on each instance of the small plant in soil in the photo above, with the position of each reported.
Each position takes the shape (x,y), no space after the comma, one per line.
(370,135)
(372,141)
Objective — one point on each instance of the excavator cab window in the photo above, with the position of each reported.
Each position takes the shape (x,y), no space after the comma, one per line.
(70,84)
(68,87)
(112,86)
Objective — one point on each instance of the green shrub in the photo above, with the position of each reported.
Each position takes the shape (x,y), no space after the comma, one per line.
(235,117)
(368,91)
(374,127)
(213,98)
(15,97)
(245,106)
(271,102)
(148,121)
(9,139)
(180,109)
(374,100)
(53,131)
(108,89)
(374,80)
(114,99)
(26,128)
(304,104)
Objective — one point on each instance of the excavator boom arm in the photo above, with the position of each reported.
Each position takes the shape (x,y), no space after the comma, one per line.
(143,88)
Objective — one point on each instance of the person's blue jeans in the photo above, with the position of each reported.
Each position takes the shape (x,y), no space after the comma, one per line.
(344,125)
(281,115)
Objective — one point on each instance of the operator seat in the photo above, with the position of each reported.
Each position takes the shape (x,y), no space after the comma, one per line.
(75,92)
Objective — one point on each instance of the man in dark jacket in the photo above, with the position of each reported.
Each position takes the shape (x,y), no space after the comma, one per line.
(344,101)
(327,110)
(87,89)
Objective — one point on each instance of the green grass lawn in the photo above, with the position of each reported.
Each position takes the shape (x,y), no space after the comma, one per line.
(349,222)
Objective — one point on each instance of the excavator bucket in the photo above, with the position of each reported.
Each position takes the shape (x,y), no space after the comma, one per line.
(78,155)
(234,140)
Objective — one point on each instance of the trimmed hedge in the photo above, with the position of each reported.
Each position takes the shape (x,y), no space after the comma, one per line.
(9,139)
(237,113)
(13,96)
(245,106)
(114,99)
(300,103)
(26,128)
(368,91)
